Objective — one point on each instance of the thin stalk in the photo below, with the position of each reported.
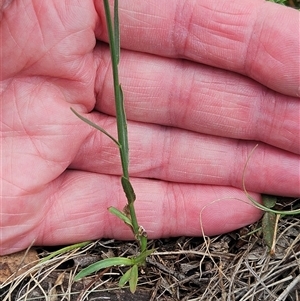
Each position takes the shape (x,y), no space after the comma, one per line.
(119,103)
(114,45)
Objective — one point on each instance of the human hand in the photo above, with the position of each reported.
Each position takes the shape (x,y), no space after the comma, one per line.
(192,121)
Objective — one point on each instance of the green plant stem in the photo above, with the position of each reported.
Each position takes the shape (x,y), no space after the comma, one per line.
(114,45)
(120,111)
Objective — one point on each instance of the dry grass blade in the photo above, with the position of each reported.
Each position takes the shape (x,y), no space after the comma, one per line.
(180,269)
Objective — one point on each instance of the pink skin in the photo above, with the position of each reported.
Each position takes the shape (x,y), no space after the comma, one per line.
(239,86)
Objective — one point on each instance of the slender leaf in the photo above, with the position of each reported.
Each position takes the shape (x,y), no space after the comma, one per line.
(121,215)
(65,250)
(133,278)
(102,264)
(255,203)
(264,208)
(94,125)
(125,278)
(113,35)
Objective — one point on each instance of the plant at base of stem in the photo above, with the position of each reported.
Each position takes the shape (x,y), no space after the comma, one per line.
(128,217)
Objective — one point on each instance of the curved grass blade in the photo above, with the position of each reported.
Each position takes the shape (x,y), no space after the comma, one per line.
(65,250)
(94,125)
(264,208)
(102,264)
(258,205)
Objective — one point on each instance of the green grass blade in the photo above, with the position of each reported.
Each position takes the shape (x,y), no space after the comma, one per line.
(65,250)
(121,215)
(102,264)
(122,131)
(264,208)
(119,102)
(125,278)
(94,125)
(133,278)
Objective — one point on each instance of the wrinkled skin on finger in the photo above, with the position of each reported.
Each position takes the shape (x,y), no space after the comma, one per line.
(203,84)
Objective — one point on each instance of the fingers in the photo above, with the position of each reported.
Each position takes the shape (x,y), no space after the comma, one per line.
(254,38)
(199,98)
(176,155)
(77,210)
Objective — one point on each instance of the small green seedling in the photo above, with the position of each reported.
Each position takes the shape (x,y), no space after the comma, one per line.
(128,217)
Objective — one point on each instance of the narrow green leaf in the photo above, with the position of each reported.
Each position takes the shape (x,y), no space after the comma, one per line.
(121,215)
(128,189)
(122,131)
(264,208)
(125,278)
(94,125)
(119,102)
(65,250)
(102,264)
(133,278)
